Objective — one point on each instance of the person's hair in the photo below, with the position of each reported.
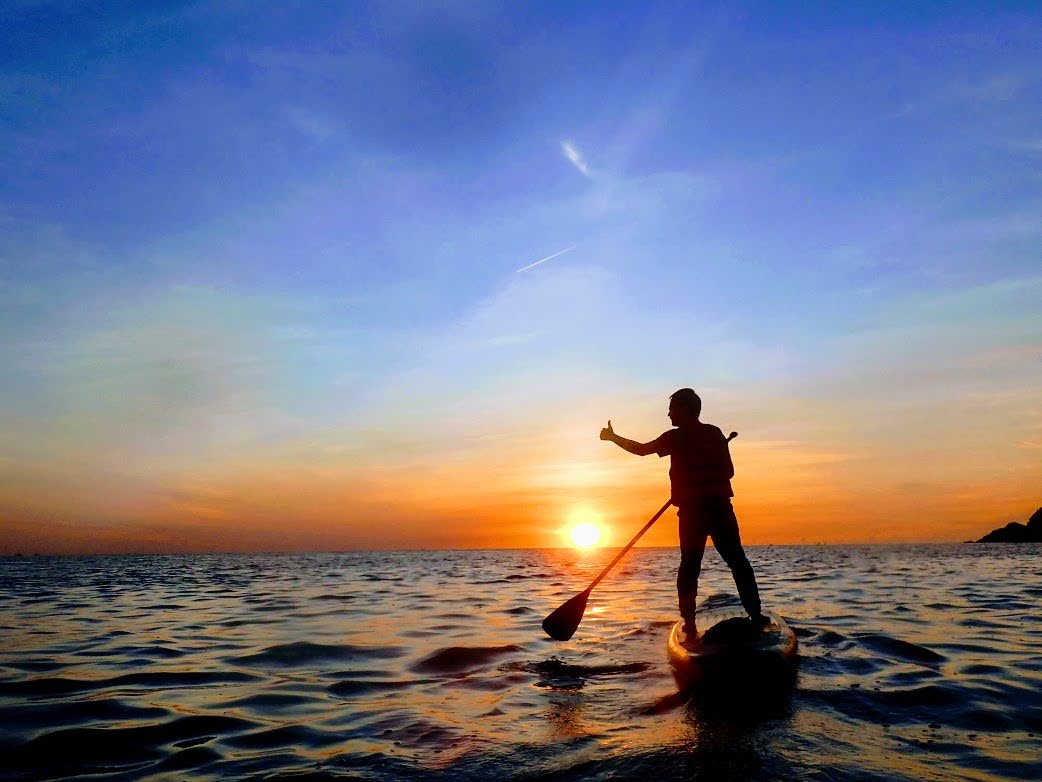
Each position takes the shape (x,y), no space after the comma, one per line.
(687,396)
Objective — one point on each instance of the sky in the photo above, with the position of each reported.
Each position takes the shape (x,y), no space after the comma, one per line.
(301,276)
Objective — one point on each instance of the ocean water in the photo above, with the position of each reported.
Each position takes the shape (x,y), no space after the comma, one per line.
(916,663)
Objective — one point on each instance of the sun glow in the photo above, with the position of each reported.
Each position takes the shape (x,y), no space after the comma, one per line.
(584,528)
(585,535)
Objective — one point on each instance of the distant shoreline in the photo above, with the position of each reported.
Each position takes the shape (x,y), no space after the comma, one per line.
(1015,532)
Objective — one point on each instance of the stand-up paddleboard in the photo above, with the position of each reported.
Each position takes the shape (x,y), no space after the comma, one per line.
(728,647)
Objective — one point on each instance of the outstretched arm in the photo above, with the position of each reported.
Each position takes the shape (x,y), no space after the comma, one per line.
(640,449)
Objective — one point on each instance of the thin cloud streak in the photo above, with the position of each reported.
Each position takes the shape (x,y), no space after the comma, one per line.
(575,158)
(547,258)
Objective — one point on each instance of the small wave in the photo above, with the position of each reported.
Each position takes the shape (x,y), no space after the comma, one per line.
(453,659)
(307,653)
(246,622)
(269,701)
(930,696)
(50,685)
(556,674)
(285,736)
(906,678)
(980,623)
(79,750)
(86,750)
(337,598)
(59,685)
(348,687)
(421,733)
(189,743)
(982,669)
(267,605)
(194,757)
(33,665)
(652,628)
(833,639)
(155,651)
(661,705)
(557,667)
(173,679)
(904,650)
(35,715)
(719,600)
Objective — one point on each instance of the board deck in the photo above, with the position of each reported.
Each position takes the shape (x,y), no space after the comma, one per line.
(727,643)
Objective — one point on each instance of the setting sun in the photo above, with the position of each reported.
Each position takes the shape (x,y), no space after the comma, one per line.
(585,535)
(584,528)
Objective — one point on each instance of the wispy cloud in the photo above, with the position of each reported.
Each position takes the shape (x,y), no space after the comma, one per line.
(311,123)
(995,89)
(547,258)
(575,158)
(1029,147)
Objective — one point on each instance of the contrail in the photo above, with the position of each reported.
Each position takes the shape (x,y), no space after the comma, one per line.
(547,258)
(575,157)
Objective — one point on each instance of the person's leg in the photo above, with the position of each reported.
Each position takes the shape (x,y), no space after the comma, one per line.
(723,526)
(692,547)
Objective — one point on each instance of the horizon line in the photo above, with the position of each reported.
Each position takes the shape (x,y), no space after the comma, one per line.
(293,552)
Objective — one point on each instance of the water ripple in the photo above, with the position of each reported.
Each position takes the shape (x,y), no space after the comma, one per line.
(917,662)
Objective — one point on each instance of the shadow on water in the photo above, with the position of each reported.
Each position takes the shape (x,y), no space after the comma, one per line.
(750,700)
(721,736)
(744,698)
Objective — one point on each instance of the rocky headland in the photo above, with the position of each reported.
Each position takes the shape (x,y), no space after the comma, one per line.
(1015,532)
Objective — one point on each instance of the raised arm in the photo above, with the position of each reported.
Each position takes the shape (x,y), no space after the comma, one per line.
(639,449)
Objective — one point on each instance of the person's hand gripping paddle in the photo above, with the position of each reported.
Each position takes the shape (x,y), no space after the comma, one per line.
(562,623)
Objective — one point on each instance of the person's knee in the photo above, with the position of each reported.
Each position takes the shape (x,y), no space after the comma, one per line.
(738,562)
(690,563)
(688,571)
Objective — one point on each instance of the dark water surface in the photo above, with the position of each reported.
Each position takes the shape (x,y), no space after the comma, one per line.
(916,663)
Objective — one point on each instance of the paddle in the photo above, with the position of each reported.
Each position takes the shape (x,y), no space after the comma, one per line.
(562,623)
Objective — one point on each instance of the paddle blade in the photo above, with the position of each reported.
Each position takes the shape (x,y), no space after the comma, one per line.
(562,623)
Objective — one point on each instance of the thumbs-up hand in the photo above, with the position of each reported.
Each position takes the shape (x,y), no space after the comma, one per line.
(607,432)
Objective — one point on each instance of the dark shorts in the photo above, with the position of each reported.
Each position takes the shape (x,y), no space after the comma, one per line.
(709,517)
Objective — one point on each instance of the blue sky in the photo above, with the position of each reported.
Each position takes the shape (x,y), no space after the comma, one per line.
(240,240)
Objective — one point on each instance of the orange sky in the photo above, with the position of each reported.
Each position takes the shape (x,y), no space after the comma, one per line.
(511,486)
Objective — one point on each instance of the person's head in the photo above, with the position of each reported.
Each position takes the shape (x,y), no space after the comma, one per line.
(684,407)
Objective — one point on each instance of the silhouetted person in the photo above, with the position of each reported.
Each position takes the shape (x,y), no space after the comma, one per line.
(700,474)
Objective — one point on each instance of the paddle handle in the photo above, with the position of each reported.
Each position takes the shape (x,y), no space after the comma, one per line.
(629,545)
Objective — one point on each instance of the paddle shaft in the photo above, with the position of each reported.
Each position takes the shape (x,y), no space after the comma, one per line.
(629,545)
(638,536)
